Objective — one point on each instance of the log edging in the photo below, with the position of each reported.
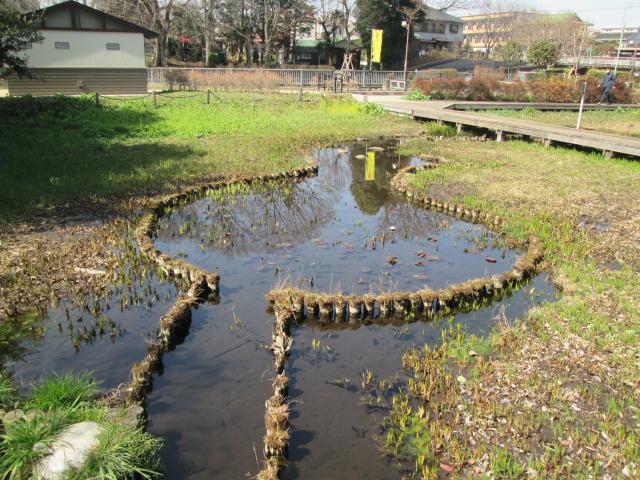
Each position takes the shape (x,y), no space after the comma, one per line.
(174,325)
(292,304)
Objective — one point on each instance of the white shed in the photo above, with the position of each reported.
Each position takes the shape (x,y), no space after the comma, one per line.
(84,50)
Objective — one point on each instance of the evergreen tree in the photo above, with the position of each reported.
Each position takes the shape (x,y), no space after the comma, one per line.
(386,15)
(15,30)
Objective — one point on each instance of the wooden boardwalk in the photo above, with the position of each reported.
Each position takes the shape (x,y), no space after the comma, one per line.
(443,111)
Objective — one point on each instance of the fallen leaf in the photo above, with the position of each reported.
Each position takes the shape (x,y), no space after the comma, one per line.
(392,260)
(446,468)
(491,260)
(419,264)
(421,254)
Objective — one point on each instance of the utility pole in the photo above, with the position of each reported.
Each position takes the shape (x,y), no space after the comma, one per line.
(624,21)
(406,24)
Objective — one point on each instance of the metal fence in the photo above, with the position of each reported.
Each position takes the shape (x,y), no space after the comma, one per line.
(274,77)
(623,62)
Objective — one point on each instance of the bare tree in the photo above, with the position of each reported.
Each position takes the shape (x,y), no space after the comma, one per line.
(569,33)
(329,18)
(22,6)
(347,18)
(501,19)
(271,26)
(444,5)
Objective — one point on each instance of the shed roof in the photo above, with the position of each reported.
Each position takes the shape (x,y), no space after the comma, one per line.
(72,6)
(439,15)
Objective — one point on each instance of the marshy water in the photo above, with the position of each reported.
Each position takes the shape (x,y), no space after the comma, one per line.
(343,230)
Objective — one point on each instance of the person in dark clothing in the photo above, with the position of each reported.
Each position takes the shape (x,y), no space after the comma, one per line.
(607,85)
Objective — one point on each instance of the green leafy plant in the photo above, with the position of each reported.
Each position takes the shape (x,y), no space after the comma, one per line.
(17,453)
(122,452)
(416,95)
(543,53)
(8,394)
(371,108)
(66,391)
(440,130)
(16,29)
(511,53)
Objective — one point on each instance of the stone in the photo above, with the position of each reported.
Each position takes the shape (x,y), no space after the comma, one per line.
(132,416)
(69,450)
(14,415)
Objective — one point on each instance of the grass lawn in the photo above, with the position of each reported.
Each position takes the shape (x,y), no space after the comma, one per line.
(60,150)
(558,396)
(620,121)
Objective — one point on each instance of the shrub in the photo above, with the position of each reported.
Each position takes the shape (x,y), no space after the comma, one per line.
(176,76)
(371,108)
(543,53)
(66,391)
(514,92)
(416,95)
(481,89)
(553,89)
(440,130)
(511,52)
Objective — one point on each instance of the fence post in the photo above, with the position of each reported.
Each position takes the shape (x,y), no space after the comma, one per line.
(97,99)
(155,103)
(208,96)
(301,88)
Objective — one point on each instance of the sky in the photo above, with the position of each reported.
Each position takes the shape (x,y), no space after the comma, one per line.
(601,13)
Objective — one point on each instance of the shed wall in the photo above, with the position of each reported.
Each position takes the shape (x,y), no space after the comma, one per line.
(74,81)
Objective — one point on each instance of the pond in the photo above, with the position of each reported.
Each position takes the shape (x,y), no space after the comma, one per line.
(342,231)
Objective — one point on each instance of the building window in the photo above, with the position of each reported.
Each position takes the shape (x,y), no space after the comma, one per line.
(26,45)
(453,28)
(441,28)
(113,46)
(62,46)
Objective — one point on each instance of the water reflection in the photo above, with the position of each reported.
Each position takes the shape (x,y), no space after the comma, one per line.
(335,232)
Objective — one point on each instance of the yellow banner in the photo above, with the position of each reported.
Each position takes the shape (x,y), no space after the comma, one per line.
(376,46)
(370,167)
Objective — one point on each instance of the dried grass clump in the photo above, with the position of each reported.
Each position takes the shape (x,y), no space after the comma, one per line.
(553,90)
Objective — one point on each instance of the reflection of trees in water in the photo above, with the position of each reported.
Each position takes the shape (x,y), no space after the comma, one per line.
(240,224)
(411,221)
(335,169)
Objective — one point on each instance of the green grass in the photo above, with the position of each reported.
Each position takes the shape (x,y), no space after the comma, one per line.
(60,150)
(621,121)
(555,394)
(440,130)
(67,391)
(16,443)
(123,451)
(8,394)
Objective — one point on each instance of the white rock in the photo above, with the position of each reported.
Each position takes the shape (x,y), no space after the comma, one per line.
(69,450)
